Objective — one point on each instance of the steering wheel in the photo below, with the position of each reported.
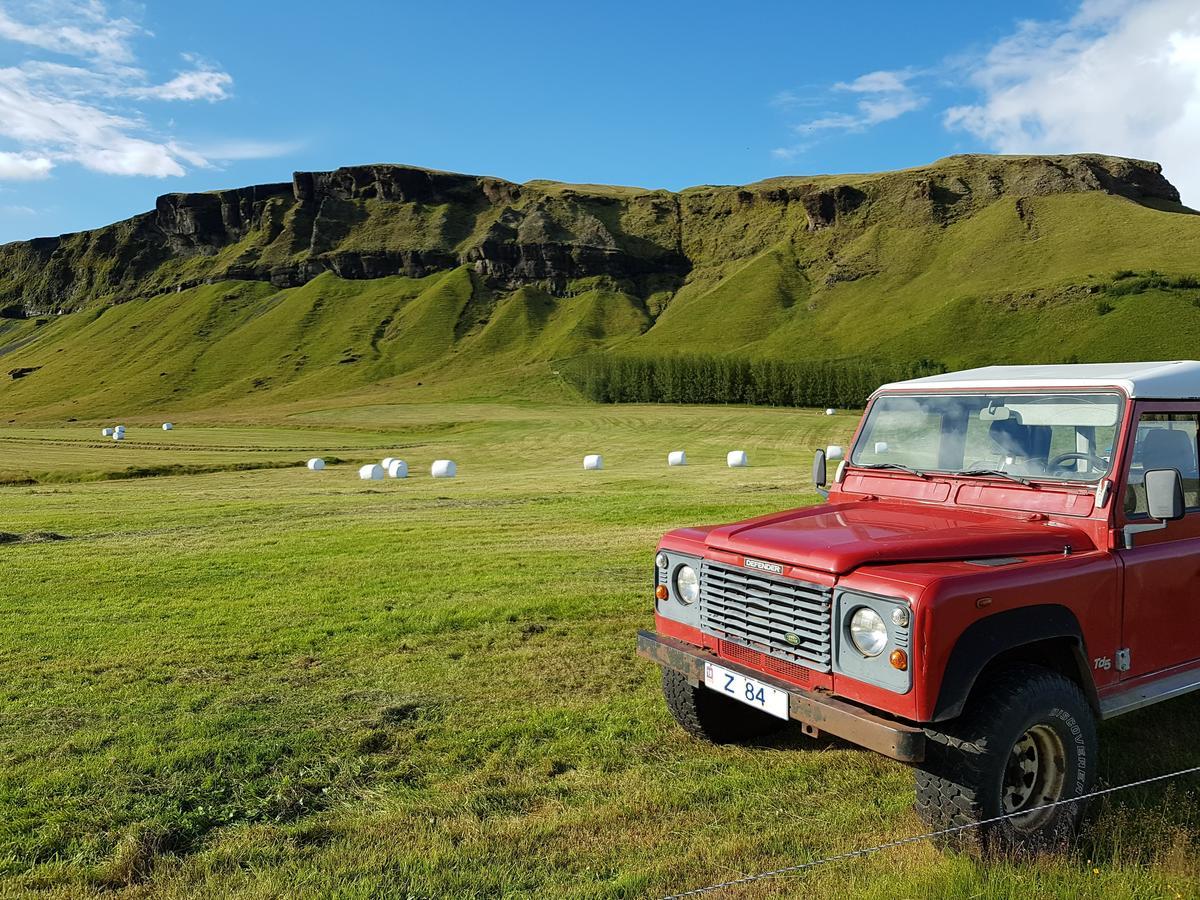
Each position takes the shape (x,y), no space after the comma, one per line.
(1097,463)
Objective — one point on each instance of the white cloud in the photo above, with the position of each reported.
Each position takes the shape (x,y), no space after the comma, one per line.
(882,96)
(1119,77)
(83,29)
(66,129)
(85,106)
(885,96)
(882,82)
(23,167)
(199,84)
(795,151)
(232,150)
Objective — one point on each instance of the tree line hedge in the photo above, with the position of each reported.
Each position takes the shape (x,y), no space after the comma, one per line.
(696,378)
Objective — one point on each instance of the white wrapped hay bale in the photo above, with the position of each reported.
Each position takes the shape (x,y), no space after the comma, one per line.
(118,436)
(833,451)
(830,412)
(371,472)
(386,462)
(397,468)
(677,458)
(316,464)
(737,459)
(106,432)
(119,429)
(443,468)
(593,461)
(167,426)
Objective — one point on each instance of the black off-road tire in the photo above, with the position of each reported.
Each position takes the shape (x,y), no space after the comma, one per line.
(706,714)
(961,781)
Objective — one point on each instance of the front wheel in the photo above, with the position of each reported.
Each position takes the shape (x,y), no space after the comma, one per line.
(708,715)
(1026,741)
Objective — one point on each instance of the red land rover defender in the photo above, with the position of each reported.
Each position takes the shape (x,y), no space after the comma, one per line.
(1007,555)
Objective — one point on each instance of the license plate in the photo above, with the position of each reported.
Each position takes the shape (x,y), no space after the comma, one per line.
(753,693)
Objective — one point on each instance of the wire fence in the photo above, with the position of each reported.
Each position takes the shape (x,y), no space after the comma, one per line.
(867,851)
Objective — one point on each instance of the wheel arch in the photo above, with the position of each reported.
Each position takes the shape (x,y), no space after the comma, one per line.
(1046,634)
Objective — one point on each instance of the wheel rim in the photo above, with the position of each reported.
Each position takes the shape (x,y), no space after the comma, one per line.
(1034,775)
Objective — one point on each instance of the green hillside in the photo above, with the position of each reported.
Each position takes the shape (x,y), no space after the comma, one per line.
(425,285)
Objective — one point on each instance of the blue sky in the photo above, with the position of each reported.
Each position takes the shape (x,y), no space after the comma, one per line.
(105,105)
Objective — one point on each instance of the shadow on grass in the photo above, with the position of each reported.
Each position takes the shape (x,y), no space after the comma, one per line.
(1157,825)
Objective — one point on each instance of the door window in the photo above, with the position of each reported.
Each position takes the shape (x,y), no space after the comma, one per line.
(1163,441)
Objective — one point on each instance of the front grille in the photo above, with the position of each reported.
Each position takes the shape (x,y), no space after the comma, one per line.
(757,611)
(761,661)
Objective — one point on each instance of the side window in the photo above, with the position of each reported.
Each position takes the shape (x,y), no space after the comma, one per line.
(1164,441)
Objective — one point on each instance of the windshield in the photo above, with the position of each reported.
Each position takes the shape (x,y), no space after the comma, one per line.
(1059,437)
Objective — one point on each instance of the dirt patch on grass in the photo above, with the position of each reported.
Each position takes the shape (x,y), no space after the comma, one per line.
(33,537)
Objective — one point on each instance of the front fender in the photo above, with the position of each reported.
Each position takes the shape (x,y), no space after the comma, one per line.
(986,639)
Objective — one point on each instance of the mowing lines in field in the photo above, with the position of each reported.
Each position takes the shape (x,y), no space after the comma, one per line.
(928,836)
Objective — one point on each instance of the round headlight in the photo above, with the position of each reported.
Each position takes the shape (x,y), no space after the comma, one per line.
(687,584)
(661,560)
(900,616)
(868,632)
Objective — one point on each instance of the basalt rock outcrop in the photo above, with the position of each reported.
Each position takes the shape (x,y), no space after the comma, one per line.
(374,221)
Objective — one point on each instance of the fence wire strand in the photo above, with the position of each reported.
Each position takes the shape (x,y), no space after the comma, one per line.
(867,851)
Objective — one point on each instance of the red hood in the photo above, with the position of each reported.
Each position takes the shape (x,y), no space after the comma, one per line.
(839,537)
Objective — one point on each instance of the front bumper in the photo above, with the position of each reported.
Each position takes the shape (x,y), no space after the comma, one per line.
(818,712)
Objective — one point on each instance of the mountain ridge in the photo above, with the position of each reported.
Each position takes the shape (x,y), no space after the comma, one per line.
(420,285)
(511,234)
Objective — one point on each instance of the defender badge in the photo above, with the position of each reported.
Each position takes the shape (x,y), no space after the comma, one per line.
(792,638)
(762,566)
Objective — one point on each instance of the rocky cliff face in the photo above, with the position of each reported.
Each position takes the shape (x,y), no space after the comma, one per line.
(375,221)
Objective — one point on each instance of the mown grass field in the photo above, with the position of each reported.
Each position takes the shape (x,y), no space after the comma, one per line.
(275,682)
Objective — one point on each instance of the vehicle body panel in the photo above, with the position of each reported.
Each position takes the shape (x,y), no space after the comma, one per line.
(1161,574)
(839,537)
(966,554)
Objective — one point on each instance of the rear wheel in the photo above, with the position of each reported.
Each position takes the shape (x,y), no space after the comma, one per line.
(706,714)
(1027,740)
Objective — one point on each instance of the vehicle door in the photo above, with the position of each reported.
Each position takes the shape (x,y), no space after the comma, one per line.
(1161,566)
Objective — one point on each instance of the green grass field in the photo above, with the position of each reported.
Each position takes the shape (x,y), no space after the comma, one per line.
(278,683)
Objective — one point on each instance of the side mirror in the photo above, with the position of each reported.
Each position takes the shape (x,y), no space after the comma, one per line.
(820,476)
(1164,495)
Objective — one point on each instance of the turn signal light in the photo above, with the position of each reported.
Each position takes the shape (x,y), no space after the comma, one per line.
(899,660)
(660,592)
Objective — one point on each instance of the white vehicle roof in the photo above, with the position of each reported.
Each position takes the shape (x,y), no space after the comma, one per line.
(1176,380)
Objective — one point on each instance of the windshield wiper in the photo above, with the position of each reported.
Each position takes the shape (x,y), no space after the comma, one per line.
(993,473)
(889,465)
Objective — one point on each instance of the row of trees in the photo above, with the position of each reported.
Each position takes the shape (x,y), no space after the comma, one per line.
(698,378)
